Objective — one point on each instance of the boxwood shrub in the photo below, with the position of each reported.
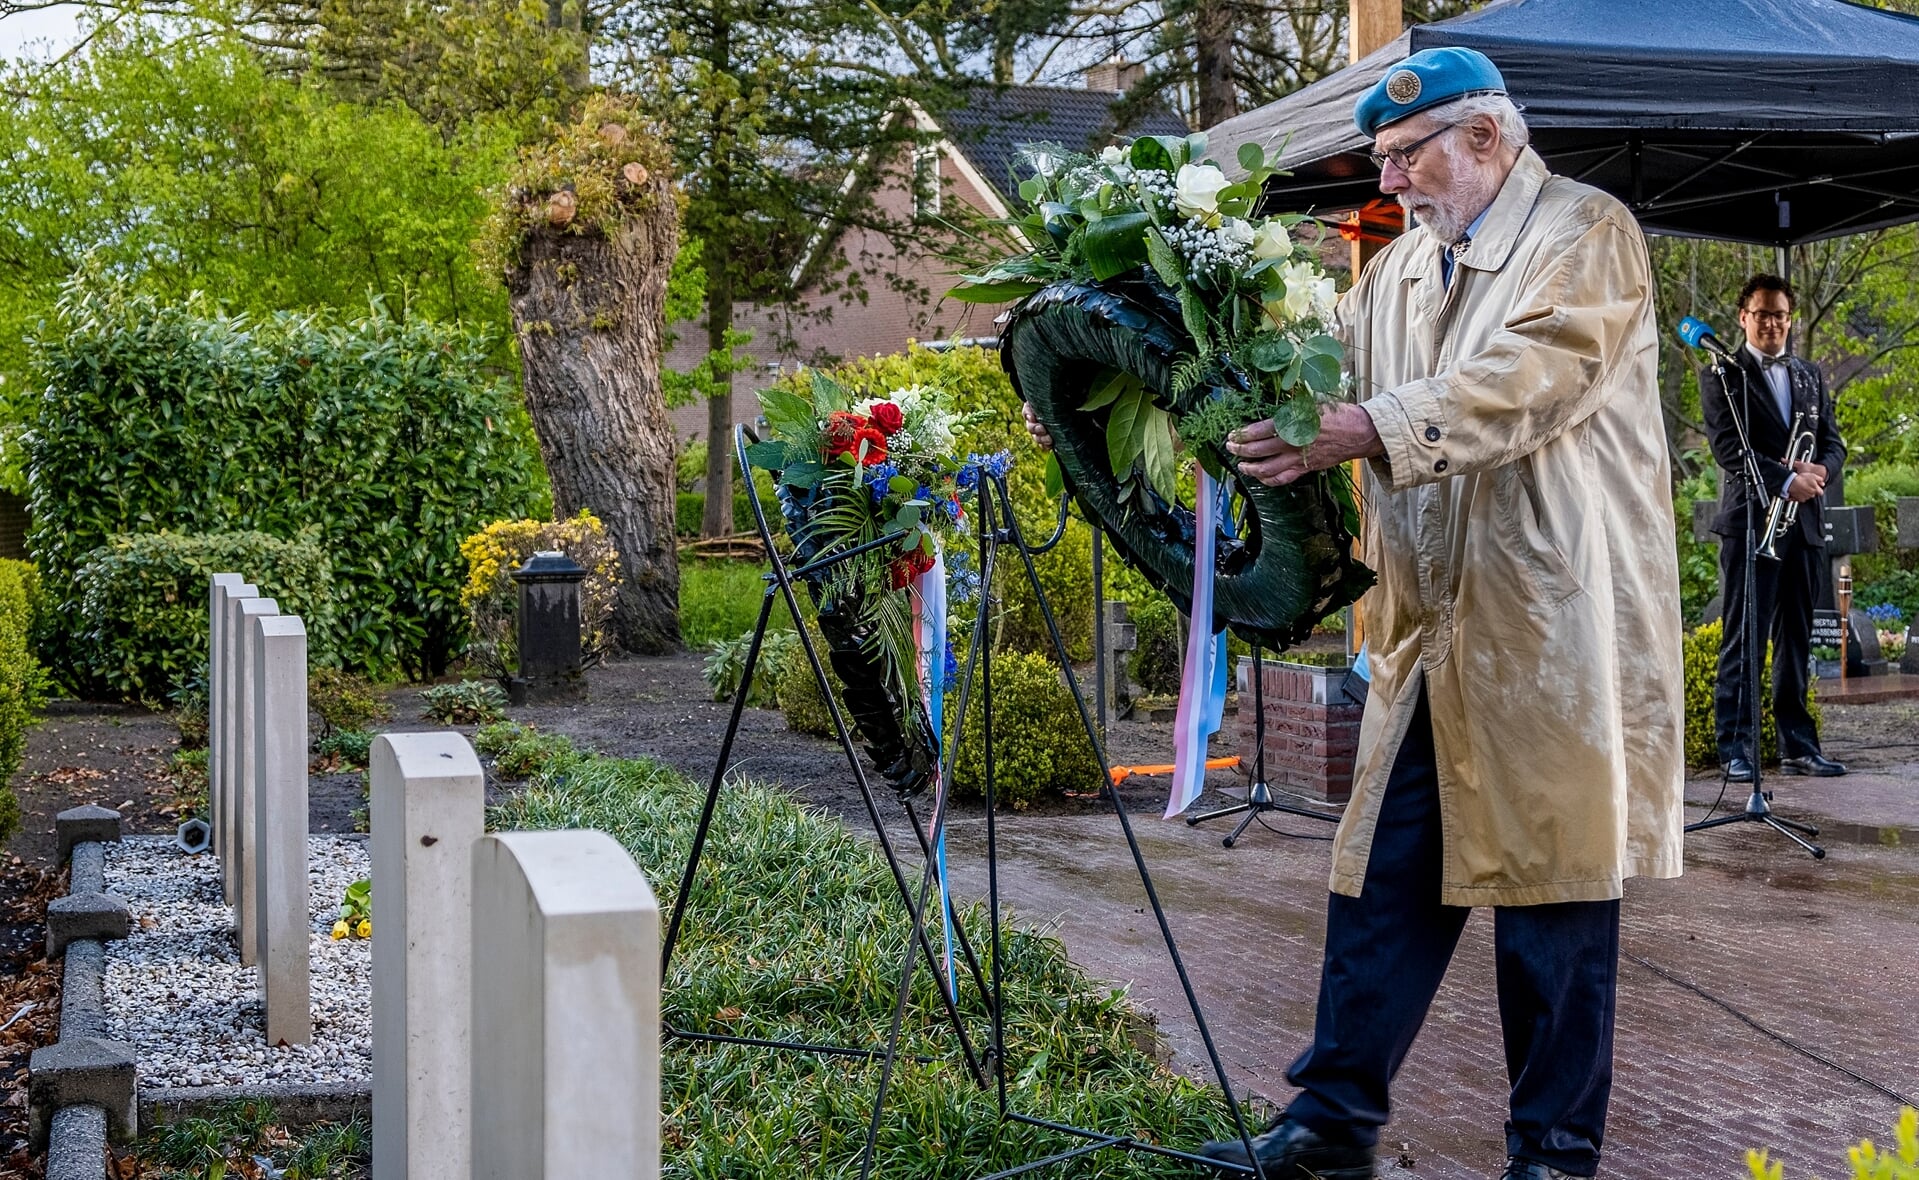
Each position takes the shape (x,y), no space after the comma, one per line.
(1039,744)
(141,623)
(22,686)
(392,438)
(1702,675)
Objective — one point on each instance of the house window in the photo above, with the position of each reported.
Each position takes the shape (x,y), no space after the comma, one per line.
(926,181)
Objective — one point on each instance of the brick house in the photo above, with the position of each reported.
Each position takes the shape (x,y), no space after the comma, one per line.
(971,156)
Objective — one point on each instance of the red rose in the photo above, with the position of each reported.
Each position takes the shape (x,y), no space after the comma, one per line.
(841,434)
(875,451)
(888,418)
(908,566)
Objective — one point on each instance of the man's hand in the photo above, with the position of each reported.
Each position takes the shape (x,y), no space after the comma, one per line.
(1806,485)
(1345,432)
(1034,428)
(1804,468)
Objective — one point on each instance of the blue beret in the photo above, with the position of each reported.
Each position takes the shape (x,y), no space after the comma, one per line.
(1426,79)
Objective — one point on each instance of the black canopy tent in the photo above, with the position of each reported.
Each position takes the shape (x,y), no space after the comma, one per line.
(1765,121)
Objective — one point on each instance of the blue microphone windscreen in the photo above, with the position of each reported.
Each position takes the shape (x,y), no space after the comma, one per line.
(1691,329)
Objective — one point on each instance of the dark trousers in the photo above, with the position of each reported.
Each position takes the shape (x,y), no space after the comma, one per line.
(1783,594)
(1387,950)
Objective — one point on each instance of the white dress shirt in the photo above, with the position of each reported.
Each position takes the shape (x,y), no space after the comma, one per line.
(1779,380)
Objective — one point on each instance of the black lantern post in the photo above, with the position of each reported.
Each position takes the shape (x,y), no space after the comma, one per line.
(549,630)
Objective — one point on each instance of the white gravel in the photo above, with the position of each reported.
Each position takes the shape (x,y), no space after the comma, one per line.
(176,990)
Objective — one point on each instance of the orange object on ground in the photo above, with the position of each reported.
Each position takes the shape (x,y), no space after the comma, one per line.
(1121,773)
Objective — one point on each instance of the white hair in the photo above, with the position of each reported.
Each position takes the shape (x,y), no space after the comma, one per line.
(1504,113)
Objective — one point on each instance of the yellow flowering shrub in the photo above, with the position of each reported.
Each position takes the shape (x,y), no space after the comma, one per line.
(491,598)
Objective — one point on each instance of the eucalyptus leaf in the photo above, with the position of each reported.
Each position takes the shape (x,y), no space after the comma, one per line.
(1252,157)
(1320,372)
(1269,352)
(1297,420)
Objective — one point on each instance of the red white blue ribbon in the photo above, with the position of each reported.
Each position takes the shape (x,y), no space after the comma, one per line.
(929,635)
(1202,685)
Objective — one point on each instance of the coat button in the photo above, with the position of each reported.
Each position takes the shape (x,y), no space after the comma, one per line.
(1432,434)
(1440,466)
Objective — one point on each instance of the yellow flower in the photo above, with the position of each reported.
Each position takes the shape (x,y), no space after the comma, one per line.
(365,928)
(339,930)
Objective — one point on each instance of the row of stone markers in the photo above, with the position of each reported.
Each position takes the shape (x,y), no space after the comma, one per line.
(257,792)
(542,1063)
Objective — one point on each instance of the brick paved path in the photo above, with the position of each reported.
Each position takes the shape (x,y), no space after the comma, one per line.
(1819,953)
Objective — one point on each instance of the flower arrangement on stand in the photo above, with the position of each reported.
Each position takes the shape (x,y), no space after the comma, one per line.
(855,470)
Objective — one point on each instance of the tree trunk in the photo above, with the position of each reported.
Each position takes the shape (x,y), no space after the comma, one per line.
(588,309)
(1213,22)
(718,518)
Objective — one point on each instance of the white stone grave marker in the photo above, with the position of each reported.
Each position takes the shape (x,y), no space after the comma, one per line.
(566,1010)
(239,797)
(223,721)
(428,807)
(279,844)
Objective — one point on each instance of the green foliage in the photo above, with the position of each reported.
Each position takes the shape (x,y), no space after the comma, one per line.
(188,770)
(1313,659)
(491,598)
(1039,748)
(795,930)
(688,507)
(1869,1160)
(226,1144)
(40,618)
(1882,486)
(356,905)
(1698,560)
(689,466)
(1702,675)
(797,690)
(387,437)
(726,664)
(139,604)
(190,706)
(498,735)
(351,746)
(1066,576)
(1900,588)
(470,702)
(718,600)
(342,701)
(190,163)
(1158,656)
(530,753)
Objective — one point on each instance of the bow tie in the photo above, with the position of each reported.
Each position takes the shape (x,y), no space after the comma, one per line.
(1767,362)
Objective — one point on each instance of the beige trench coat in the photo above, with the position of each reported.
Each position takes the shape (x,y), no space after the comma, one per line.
(1521,526)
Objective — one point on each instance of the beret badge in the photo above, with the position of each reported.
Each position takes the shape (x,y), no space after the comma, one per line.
(1403,87)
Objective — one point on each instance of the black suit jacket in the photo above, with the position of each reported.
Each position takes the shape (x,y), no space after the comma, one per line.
(1770,440)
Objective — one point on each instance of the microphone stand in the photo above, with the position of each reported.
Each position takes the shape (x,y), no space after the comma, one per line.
(1758,806)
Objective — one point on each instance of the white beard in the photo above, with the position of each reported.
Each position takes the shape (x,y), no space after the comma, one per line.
(1446,214)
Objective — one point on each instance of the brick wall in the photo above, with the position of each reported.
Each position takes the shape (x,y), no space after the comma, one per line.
(1312,729)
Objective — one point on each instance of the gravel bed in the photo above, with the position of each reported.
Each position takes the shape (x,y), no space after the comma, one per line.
(176,990)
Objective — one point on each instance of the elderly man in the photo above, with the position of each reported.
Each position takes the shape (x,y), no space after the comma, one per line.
(1521,748)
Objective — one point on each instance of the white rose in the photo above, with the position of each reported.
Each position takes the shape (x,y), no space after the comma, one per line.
(1272,241)
(1234,233)
(1112,156)
(1298,301)
(1196,191)
(1324,298)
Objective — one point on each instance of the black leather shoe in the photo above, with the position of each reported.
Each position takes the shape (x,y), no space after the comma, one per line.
(1816,765)
(1291,1151)
(1738,770)
(1518,1169)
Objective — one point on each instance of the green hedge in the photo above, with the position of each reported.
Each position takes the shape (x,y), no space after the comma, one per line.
(22,684)
(141,623)
(392,438)
(1039,743)
(1702,676)
(690,507)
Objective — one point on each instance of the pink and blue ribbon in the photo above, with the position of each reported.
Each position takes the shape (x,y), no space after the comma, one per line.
(1202,686)
(929,632)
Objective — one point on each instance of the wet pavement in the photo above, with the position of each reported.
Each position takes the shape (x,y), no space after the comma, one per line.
(1766,999)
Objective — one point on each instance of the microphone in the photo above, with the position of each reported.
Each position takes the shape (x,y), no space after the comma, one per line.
(1696,333)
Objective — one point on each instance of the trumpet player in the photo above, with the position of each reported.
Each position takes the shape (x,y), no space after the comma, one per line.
(1797,449)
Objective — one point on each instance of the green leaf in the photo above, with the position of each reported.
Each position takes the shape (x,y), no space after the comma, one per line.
(1004,291)
(1116,244)
(1195,147)
(803,475)
(1252,157)
(1165,261)
(787,413)
(1297,420)
(1269,352)
(770,455)
(1154,153)
(901,485)
(1157,449)
(829,395)
(1192,310)
(1055,479)
(1126,431)
(1032,189)
(1105,393)
(1320,372)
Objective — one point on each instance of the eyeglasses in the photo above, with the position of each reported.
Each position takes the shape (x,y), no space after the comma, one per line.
(1770,317)
(1402,157)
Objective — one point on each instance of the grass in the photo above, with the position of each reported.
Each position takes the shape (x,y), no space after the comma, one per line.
(719,600)
(228,1143)
(796,934)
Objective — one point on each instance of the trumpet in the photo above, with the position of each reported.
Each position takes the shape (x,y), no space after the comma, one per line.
(1784,512)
